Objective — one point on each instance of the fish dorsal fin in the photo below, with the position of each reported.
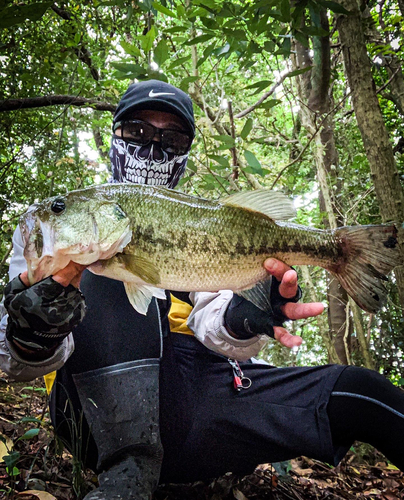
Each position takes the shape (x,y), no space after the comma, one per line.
(260,294)
(273,204)
(140,296)
(141,267)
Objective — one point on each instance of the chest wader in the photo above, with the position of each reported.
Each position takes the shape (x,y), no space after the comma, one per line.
(119,394)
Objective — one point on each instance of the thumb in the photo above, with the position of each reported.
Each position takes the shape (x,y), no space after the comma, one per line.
(286,338)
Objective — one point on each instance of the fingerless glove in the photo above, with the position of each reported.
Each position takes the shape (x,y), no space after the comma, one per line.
(41,316)
(245,320)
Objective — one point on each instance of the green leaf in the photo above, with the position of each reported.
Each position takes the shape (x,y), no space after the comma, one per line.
(17,14)
(252,160)
(197,12)
(247,128)
(110,3)
(225,139)
(161,52)
(11,459)
(164,10)
(259,86)
(30,419)
(285,11)
(209,49)
(210,4)
(299,71)
(178,62)
(314,31)
(270,103)
(130,49)
(176,29)
(30,434)
(184,85)
(181,11)
(221,51)
(302,38)
(269,46)
(13,471)
(147,40)
(133,69)
(334,6)
(199,39)
(191,165)
(221,160)
(209,23)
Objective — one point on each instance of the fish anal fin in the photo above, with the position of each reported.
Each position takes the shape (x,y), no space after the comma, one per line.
(273,204)
(141,296)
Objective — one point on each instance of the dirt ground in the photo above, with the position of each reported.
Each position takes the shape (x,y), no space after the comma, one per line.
(35,466)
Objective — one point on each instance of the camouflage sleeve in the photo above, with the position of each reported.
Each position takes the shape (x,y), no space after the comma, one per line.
(12,361)
(41,316)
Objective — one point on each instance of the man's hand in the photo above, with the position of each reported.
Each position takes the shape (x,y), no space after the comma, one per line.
(292,310)
(42,315)
(70,275)
(244,320)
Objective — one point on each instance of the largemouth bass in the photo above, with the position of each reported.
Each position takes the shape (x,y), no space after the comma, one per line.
(154,238)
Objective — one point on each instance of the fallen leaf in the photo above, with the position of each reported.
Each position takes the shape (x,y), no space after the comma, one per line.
(5,446)
(238,495)
(35,494)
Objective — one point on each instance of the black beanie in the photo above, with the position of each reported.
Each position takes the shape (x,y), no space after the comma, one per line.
(156,95)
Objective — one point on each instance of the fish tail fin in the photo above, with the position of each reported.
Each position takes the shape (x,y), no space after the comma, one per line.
(369,254)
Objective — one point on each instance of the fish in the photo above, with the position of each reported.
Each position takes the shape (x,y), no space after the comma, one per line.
(153,239)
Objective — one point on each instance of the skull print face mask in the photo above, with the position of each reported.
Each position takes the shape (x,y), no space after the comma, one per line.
(145,164)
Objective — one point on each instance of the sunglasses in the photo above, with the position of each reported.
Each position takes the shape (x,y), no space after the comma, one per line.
(142,133)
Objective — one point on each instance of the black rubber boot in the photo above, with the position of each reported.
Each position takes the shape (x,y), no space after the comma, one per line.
(121,405)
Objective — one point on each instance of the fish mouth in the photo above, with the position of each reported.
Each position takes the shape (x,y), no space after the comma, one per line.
(45,257)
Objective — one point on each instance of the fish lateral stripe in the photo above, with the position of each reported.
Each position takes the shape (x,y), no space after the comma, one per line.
(152,238)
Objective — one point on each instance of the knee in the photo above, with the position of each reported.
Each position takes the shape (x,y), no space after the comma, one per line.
(357,380)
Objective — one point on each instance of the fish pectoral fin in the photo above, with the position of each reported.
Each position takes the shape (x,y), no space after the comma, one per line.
(141,296)
(259,295)
(273,204)
(141,267)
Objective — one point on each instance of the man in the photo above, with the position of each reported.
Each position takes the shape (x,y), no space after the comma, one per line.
(147,384)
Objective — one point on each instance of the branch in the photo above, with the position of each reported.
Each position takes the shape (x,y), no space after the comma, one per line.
(82,53)
(263,97)
(318,127)
(380,89)
(54,100)
(233,150)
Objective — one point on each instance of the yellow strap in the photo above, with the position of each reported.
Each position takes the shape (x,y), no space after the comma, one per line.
(177,317)
(49,380)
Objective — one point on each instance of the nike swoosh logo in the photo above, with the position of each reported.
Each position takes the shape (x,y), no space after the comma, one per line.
(157,94)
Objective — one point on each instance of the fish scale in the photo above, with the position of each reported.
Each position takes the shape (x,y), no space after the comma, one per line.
(154,238)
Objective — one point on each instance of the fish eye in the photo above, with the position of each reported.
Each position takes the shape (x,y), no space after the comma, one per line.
(58,206)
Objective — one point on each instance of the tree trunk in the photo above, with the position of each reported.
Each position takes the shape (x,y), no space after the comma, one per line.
(322,324)
(313,89)
(375,138)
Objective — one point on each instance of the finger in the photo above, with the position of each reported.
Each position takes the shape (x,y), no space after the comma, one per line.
(301,311)
(286,338)
(276,267)
(71,274)
(288,286)
(24,278)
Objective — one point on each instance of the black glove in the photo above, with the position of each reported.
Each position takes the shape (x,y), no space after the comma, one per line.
(41,316)
(245,320)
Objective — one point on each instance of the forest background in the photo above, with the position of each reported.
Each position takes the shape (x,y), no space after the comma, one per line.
(306,97)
